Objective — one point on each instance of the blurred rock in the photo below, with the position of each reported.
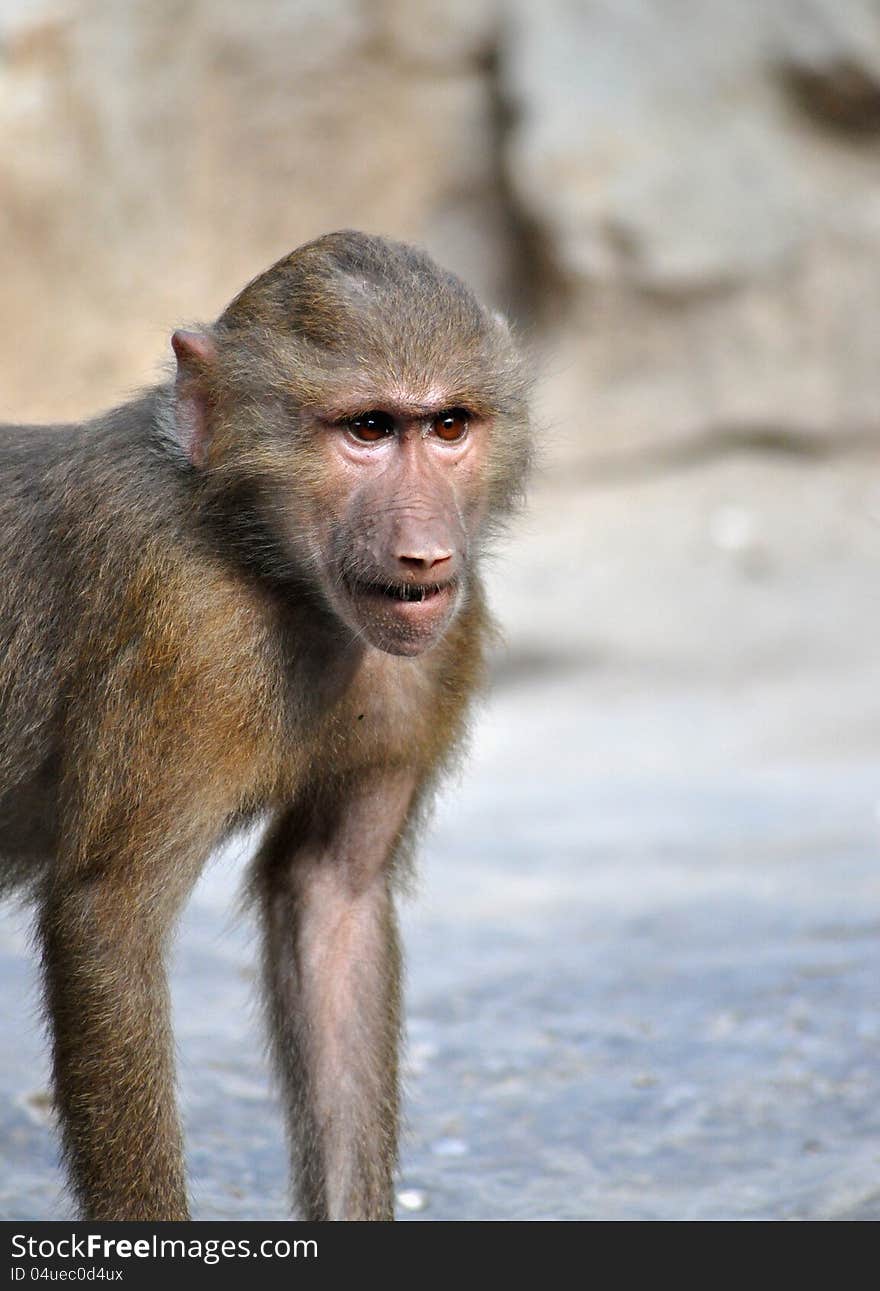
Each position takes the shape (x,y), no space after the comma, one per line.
(715,248)
(154,156)
(748,566)
(832,55)
(440,34)
(685,195)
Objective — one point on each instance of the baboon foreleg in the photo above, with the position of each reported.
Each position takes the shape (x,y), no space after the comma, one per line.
(107,1000)
(332,967)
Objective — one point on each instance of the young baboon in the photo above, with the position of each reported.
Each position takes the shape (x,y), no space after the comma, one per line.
(252,592)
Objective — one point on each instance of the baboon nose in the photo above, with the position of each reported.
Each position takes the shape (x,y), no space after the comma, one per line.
(430,558)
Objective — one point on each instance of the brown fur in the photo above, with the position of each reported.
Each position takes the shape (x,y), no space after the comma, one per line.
(180,652)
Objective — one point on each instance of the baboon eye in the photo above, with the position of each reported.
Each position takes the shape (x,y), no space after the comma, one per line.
(451,424)
(372,426)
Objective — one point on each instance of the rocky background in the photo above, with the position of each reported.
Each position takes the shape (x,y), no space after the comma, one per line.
(644,962)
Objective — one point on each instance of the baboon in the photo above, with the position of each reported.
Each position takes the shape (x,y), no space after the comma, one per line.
(251,593)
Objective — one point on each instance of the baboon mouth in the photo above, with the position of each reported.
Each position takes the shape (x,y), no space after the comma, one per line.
(403,591)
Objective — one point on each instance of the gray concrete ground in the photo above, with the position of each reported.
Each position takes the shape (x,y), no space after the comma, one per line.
(644,951)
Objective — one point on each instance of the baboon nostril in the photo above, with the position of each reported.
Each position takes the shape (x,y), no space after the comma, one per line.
(430,559)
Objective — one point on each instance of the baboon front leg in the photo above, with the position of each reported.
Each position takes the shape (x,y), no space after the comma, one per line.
(107,1001)
(332,968)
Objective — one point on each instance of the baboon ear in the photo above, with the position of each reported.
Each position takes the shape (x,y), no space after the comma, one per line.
(195,353)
